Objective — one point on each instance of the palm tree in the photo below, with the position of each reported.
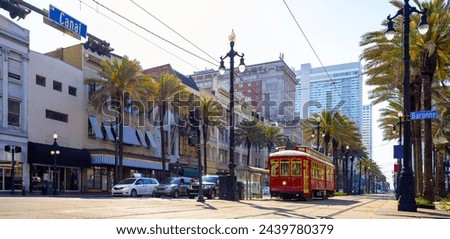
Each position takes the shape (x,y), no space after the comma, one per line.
(247,133)
(434,60)
(120,81)
(429,59)
(271,136)
(164,92)
(210,111)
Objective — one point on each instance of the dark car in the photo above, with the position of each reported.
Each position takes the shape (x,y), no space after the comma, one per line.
(210,187)
(174,187)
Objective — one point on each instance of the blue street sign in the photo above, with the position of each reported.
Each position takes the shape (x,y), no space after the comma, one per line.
(398,151)
(66,21)
(418,115)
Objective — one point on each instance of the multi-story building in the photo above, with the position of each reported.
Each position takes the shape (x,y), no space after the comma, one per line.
(331,88)
(14,52)
(366,128)
(269,87)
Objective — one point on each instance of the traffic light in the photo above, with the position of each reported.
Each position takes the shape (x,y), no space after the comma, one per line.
(194,118)
(98,46)
(14,9)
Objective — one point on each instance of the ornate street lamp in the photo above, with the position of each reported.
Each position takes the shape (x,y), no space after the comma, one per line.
(231,192)
(407,199)
(55,153)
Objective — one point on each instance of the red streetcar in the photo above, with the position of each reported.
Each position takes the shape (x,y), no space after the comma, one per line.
(302,173)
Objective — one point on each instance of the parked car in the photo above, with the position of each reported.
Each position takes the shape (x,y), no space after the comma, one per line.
(210,187)
(135,187)
(174,187)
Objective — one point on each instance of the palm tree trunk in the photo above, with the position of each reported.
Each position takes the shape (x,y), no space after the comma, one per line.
(428,67)
(205,140)
(121,118)
(249,145)
(440,174)
(416,89)
(335,145)
(163,141)
(428,144)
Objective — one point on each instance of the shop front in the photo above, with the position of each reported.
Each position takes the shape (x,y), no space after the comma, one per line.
(100,175)
(63,172)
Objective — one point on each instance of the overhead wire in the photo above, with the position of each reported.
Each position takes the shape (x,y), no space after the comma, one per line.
(184,38)
(134,32)
(312,48)
(154,34)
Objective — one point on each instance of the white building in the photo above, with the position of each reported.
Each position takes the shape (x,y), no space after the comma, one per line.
(366,128)
(331,88)
(14,50)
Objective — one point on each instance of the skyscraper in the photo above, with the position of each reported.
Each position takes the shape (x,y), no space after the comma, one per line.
(366,128)
(334,88)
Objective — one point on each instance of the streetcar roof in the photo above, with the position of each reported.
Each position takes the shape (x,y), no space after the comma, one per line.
(289,152)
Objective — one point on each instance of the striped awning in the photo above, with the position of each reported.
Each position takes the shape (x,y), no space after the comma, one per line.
(128,162)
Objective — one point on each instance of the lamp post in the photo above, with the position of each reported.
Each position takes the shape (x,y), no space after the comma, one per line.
(231,194)
(54,152)
(13,149)
(407,199)
(318,132)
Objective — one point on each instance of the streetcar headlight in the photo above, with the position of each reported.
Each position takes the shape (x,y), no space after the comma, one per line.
(284,183)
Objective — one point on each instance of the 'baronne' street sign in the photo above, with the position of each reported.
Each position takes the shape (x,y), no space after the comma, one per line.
(66,21)
(418,115)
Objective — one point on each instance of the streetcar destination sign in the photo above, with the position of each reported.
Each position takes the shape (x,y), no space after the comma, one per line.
(66,21)
(418,115)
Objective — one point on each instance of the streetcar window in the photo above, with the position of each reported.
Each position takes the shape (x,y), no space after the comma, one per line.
(284,167)
(296,167)
(274,165)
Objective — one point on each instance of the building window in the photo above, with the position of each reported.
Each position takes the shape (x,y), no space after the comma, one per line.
(40,80)
(72,91)
(57,85)
(13,113)
(49,114)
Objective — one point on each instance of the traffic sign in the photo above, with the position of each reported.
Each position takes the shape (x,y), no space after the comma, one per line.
(67,22)
(418,115)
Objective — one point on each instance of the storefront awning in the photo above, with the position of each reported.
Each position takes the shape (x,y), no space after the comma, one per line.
(141,137)
(127,162)
(129,136)
(108,131)
(40,153)
(153,143)
(96,127)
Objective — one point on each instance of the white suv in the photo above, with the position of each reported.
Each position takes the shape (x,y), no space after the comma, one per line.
(135,187)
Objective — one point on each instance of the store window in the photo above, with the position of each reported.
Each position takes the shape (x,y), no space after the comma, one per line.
(94,178)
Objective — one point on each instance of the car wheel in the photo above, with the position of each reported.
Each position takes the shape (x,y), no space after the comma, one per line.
(176,194)
(133,193)
(212,195)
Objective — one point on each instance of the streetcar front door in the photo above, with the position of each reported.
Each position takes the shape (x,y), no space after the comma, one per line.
(306,179)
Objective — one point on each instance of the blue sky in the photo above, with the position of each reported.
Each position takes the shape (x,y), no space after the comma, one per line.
(264,29)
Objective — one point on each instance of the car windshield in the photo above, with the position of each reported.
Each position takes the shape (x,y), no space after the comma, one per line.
(210,179)
(127,181)
(170,181)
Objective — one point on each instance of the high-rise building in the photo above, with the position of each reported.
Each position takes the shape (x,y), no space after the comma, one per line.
(269,87)
(331,88)
(366,128)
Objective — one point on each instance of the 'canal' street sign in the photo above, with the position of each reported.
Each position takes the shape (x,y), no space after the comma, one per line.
(418,115)
(66,21)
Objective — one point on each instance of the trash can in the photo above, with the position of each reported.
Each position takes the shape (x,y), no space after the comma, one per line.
(44,188)
(47,188)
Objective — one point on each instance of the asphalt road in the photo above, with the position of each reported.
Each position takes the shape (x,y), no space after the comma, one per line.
(106,207)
